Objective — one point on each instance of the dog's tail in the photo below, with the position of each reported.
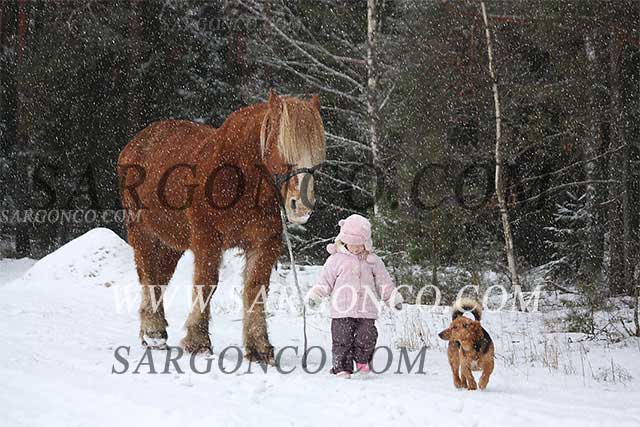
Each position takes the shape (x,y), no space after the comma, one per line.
(466,304)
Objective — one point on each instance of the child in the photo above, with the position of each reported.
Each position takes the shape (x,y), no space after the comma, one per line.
(356,279)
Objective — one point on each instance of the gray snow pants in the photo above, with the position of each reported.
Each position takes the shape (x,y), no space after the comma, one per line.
(353,339)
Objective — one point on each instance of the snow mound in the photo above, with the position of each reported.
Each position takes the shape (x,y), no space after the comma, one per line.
(98,257)
(101,258)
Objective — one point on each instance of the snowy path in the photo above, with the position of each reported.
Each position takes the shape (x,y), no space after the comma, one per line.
(59,333)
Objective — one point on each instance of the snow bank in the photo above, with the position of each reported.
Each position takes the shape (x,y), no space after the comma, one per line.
(101,258)
(98,257)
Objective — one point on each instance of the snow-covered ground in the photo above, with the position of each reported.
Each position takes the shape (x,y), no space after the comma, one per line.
(62,318)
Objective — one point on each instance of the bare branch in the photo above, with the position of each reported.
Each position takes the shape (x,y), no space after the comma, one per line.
(300,49)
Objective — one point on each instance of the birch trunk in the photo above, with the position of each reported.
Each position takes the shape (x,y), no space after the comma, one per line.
(373,80)
(500,193)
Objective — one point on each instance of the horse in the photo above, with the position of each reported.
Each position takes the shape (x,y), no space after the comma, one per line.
(190,186)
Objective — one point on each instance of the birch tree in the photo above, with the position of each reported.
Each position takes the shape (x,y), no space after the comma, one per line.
(499,179)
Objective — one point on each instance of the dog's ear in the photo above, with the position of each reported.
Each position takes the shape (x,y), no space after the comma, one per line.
(481,344)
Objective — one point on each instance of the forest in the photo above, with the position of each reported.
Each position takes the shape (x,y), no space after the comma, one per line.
(422,101)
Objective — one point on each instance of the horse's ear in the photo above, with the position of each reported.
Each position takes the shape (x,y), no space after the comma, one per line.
(274,99)
(315,101)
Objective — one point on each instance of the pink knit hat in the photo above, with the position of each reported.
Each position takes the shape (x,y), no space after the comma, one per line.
(356,230)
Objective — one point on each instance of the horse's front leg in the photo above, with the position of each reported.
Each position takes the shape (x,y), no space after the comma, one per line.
(259,263)
(208,255)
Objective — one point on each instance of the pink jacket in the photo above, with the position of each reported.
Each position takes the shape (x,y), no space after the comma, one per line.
(356,285)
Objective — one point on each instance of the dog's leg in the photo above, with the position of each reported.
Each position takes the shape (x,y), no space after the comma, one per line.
(454,362)
(468,375)
(463,381)
(486,373)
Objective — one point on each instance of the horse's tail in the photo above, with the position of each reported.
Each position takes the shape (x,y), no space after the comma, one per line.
(461,305)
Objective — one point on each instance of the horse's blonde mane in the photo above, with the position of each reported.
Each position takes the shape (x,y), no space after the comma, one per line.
(301,139)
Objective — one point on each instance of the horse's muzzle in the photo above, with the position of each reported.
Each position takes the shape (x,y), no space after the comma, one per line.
(302,219)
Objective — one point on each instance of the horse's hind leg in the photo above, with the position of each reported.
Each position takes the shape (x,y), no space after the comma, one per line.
(207,250)
(259,262)
(155,263)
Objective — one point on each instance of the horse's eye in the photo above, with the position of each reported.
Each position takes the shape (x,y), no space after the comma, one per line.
(464,325)
(455,327)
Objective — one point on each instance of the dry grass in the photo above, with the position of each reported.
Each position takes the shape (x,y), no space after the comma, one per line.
(521,344)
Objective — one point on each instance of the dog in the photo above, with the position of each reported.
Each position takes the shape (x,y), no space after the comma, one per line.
(470,346)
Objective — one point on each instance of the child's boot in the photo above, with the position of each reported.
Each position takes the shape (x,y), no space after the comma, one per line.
(363,368)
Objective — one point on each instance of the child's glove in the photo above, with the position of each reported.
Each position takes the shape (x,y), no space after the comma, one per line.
(397,301)
(311,300)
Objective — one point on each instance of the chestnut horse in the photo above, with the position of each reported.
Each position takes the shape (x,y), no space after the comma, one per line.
(192,186)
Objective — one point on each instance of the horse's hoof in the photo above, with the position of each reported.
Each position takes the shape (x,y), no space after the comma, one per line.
(261,357)
(196,346)
(156,340)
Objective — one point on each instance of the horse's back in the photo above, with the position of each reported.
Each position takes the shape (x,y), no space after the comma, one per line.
(164,149)
(164,139)
(187,175)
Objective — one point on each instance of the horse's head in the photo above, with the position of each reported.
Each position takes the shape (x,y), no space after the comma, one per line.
(293,143)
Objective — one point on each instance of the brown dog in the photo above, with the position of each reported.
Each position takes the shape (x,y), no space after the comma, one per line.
(470,346)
